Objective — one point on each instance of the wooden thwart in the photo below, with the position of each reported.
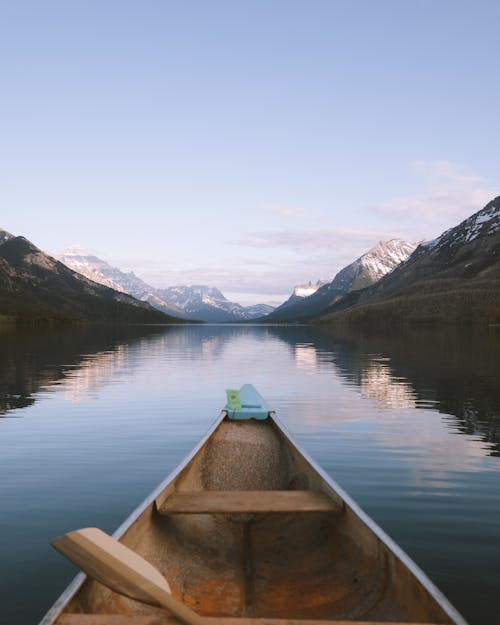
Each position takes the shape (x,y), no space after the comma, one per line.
(246,501)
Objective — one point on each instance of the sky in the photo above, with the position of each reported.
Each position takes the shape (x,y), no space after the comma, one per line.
(250,145)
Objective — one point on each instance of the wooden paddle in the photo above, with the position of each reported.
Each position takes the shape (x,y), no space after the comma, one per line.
(121,569)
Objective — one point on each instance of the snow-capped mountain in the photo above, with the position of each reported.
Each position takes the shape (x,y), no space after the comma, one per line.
(93,268)
(258,310)
(455,277)
(484,223)
(365,270)
(209,304)
(196,302)
(100,271)
(383,258)
(35,286)
(189,298)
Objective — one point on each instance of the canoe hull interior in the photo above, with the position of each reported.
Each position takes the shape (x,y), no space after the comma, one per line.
(308,564)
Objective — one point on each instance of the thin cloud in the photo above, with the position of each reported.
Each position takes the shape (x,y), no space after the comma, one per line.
(311,240)
(446,173)
(450,194)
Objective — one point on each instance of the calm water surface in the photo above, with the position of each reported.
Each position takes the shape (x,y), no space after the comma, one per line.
(91,420)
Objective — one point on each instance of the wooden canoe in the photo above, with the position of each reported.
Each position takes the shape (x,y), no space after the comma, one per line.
(249,530)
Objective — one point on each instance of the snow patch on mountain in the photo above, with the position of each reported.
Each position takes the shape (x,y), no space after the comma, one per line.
(188,297)
(258,310)
(5,236)
(204,302)
(305,290)
(484,223)
(383,257)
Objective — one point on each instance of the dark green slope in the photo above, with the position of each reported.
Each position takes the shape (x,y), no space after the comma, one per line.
(34,286)
(455,278)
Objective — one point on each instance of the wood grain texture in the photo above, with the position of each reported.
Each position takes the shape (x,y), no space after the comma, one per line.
(115,619)
(286,621)
(121,619)
(293,621)
(247,501)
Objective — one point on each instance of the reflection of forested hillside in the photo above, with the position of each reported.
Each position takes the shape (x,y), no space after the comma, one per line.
(457,371)
(31,359)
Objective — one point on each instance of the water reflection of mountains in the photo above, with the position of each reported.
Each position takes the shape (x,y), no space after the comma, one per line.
(33,359)
(454,371)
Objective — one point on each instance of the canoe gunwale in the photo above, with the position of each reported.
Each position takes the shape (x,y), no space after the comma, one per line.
(337,493)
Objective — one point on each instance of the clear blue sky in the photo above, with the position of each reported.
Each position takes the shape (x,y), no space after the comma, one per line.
(250,145)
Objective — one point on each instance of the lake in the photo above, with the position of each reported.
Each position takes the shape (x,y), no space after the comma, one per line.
(92,419)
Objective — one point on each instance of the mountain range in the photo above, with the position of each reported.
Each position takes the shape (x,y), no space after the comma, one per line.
(209,304)
(35,287)
(95,269)
(365,270)
(195,302)
(455,278)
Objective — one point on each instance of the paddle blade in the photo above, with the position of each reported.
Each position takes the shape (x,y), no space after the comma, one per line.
(113,564)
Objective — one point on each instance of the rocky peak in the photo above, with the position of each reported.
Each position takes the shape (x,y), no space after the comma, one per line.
(304,290)
(484,223)
(5,236)
(383,257)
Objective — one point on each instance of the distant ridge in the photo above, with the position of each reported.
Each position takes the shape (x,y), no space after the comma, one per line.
(204,302)
(193,302)
(36,287)
(89,265)
(365,270)
(455,278)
